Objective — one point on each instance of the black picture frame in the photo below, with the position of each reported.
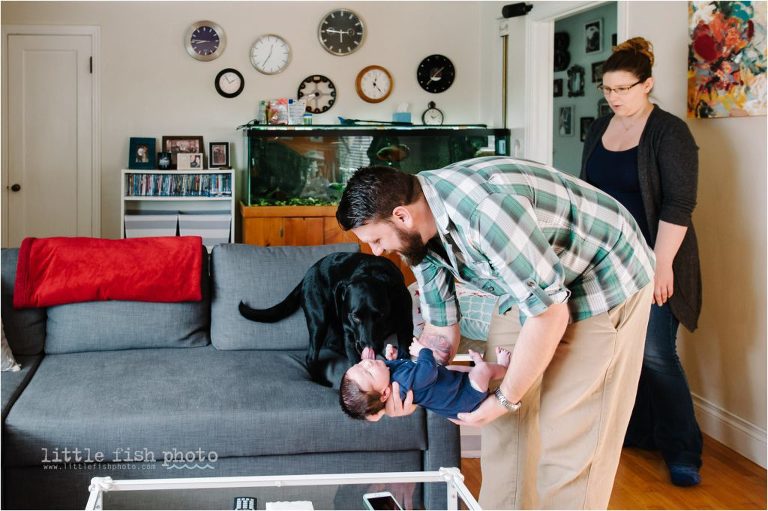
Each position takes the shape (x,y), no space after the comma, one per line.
(584,124)
(597,71)
(593,36)
(175,144)
(575,81)
(557,88)
(218,155)
(565,121)
(141,153)
(603,108)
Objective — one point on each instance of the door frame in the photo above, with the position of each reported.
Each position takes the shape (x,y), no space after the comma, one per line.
(94,33)
(539,62)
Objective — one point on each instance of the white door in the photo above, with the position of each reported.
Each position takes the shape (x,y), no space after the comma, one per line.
(50,179)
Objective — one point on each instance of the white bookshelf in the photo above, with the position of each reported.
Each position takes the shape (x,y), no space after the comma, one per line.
(168,203)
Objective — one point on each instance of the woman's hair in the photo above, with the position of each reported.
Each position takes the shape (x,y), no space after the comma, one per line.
(372,193)
(634,55)
(357,403)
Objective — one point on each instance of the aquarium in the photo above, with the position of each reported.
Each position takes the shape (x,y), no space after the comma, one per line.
(310,165)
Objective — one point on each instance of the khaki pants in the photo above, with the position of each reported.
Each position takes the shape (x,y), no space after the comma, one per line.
(562,448)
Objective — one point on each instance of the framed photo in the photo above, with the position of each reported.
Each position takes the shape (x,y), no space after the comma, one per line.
(585,123)
(597,71)
(557,88)
(218,155)
(603,108)
(189,161)
(593,36)
(565,121)
(182,144)
(141,153)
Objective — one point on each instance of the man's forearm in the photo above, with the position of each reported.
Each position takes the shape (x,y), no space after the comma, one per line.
(442,340)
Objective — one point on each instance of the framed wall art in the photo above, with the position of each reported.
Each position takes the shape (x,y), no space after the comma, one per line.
(565,121)
(584,124)
(557,88)
(593,36)
(182,144)
(597,71)
(141,153)
(218,155)
(189,161)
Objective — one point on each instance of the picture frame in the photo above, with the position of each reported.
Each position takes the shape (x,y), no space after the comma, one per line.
(189,161)
(593,36)
(557,88)
(584,124)
(597,71)
(176,144)
(565,121)
(141,153)
(218,155)
(603,108)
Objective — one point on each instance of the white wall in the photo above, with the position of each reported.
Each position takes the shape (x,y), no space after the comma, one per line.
(151,87)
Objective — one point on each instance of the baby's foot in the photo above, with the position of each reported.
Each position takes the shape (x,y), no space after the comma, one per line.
(503,357)
(476,357)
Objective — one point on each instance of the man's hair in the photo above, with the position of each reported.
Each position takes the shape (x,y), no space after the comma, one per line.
(357,403)
(372,193)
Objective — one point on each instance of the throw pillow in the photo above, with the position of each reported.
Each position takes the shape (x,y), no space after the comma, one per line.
(7,362)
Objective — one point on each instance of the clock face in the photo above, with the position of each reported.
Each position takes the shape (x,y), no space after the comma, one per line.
(319,93)
(436,73)
(432,116)
(374,84)
(270,54)
(341,32)
(229,83)
(205,40)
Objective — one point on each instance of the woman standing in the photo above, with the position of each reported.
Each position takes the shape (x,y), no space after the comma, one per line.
(647,159)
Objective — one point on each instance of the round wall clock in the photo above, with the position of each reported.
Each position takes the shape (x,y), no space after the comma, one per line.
(270,54)
(341,32)
(432,116)
(436,73)
(229,82)
(319,93)
(205,40)
(374,84)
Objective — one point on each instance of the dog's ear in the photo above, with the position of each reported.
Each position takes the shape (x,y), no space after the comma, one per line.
(339,294)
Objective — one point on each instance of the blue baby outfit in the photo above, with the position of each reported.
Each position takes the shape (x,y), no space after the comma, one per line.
(436,388)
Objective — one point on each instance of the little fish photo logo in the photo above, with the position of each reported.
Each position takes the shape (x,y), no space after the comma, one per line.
(189,460)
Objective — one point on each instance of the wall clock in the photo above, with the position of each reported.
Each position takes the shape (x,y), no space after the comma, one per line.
(374,84)
(229,82)
(319,92)
(205,40)
(436,73)
(432,116)
(341,32)
(270,54)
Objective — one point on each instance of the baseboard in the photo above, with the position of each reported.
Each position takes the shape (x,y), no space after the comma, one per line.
(730,430)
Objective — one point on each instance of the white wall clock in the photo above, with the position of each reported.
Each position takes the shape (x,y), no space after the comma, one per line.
(270,54)
(205,40)
(341,32)
(229,83)
(374,84)
(432,116)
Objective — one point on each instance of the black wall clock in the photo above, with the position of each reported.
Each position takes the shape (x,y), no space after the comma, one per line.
(436,73)
(341,32)
(319,92)
(229,82)
(205,40)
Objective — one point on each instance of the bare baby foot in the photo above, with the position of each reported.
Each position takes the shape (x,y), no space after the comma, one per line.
(503,357)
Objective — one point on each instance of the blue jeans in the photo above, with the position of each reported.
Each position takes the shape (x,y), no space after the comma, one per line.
(663,416)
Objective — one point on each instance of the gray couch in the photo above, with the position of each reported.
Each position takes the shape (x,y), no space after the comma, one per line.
(145,384)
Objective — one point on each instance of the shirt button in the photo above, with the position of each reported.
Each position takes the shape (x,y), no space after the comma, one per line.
(530,283)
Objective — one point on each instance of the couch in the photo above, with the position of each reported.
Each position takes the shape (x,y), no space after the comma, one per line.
(146,384)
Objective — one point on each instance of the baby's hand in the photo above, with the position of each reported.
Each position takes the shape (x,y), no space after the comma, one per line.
(390,352)
(415,348)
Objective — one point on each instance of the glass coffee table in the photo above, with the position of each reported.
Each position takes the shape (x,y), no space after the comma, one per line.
(306,492)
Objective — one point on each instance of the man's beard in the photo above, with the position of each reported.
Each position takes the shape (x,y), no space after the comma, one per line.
(413,250)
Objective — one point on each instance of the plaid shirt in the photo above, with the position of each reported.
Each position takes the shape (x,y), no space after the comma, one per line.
(531,235)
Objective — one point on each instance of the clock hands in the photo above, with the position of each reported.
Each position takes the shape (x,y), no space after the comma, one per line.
(436,75)
(350,32)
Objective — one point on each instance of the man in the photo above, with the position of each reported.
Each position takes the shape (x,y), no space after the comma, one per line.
(574,281)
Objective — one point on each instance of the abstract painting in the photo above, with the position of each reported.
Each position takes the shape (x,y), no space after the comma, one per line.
(726,59)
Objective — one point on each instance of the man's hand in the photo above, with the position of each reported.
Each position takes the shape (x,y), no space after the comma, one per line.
(442,340)
(415,348)
(395,407)
(488,411)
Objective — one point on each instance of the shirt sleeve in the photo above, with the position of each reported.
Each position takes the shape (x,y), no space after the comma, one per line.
(678,161)
(439,305)
(505,230)
(425,372)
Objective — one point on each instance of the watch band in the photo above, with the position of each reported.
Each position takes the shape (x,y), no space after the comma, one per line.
(512,407)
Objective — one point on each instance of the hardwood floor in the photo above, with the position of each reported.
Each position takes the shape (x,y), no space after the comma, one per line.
(729,481)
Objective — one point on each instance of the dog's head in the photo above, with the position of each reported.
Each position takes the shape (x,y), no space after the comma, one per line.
(365,310)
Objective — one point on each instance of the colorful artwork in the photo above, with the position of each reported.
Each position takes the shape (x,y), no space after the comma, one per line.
(726,59)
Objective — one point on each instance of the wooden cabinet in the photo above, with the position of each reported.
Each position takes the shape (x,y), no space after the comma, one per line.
(301,226)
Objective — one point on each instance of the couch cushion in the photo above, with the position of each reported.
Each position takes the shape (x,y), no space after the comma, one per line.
(119,325)
(24,328)
(12,383)
(262,277)
(236,403)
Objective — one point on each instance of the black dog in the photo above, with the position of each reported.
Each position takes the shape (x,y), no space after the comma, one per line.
(351,301)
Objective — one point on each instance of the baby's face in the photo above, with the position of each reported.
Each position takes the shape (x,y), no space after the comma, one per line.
(370,375)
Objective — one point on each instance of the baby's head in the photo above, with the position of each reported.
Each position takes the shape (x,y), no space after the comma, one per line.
(365,389)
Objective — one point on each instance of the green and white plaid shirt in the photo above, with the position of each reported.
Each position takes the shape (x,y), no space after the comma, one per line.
(531,235)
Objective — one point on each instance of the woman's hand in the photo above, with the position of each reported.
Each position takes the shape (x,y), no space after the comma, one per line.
(663,283)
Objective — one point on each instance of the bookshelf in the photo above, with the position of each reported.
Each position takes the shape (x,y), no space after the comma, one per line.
(198,201)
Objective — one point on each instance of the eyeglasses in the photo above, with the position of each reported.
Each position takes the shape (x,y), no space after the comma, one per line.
(621,91)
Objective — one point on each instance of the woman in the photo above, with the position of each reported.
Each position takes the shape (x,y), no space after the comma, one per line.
(647,159)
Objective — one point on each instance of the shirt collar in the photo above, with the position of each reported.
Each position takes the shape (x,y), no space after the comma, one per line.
(435,205)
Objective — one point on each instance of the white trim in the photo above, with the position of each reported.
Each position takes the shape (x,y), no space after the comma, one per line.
(731,430)
(87,30)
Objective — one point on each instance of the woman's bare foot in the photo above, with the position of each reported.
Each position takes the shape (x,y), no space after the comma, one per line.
(503,356)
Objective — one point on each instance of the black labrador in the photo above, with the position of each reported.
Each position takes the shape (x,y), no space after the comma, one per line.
(351,301)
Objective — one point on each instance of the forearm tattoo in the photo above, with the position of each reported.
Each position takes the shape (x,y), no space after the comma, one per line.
(440,345)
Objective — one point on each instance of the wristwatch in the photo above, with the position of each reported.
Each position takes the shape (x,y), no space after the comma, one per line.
(512,407)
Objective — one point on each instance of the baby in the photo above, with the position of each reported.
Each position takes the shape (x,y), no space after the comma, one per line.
(447,391)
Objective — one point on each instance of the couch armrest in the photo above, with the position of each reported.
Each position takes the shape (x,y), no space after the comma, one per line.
(12,384)
(444,450)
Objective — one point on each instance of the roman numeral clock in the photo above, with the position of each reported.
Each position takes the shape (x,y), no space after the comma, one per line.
(341,32)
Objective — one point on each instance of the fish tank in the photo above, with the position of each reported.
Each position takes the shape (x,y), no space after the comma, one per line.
(310,165)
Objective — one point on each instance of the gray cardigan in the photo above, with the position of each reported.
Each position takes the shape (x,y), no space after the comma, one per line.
(668,168)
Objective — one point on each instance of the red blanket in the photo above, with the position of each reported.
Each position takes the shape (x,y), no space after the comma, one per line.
(54,271)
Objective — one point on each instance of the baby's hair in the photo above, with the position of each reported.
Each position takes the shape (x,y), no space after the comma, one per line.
(633,55)
(357,403)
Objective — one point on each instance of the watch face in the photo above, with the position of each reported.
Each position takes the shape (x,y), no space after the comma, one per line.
(205,40)
(374,84)
(432,117)
(229,83)
(436,73)
(319,93)
(270,54)
(341,32)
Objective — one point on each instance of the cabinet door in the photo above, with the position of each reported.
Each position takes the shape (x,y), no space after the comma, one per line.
(300,231)
(332,232)
(266,232)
